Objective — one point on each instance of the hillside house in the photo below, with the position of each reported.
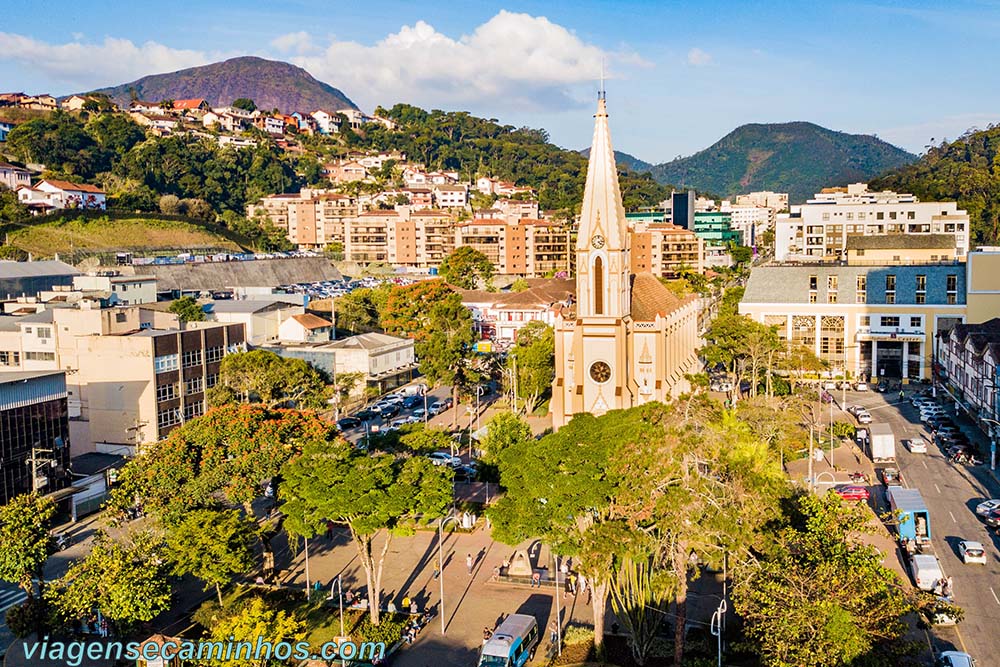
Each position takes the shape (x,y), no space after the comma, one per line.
(50,194)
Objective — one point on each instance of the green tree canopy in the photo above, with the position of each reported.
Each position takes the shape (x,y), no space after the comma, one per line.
(369,494)
(213,545)
(251,620)
(187,309)
(533,359)
(467,268)
(819,595)
(24,539)
(244,103)
(261,376)
(60,142)
(126,581)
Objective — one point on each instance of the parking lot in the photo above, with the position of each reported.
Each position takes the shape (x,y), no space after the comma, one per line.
(951,492)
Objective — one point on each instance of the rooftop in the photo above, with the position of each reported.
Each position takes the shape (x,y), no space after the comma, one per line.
(245,305)
(310,321)
(902,242)
(11,269)
(650,298)
(365,341)
(8,377)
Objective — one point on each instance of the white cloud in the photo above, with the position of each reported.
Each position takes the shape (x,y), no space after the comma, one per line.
(699,58)
(513,61)
(110,62)
(295,42)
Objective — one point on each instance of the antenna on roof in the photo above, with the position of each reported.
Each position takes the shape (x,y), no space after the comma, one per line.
(601,93)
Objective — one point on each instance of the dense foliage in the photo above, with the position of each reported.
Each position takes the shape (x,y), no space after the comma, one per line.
(966,170)
(24,539)
(459,141)
(797,158)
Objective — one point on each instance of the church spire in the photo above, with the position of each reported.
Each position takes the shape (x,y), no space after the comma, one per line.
(602,211)
(602,247)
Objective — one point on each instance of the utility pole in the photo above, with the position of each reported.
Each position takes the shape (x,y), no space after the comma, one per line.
(36,463)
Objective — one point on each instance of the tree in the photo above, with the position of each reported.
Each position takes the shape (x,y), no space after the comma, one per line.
(170,204)
(251,621)
(213,545)
(126,581)
(115,132)
(446,353)
(357,311)
(533,362)
(369,494)
(24,539)
(519,285)
(503,431)
(227,453)
(244,103)
(187,309)
(407,310)
(741,255)
(261,376)
(60,142)
(819,596)
(467,268)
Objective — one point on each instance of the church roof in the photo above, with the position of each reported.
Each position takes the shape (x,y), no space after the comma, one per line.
(651,298)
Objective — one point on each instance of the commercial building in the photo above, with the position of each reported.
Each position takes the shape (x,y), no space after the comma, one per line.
(902,249)
(874,321)
(125,290)
(260,317)
(30,278)
(819,229)
(34,433)
(967,359)
(682,208)
(715,228)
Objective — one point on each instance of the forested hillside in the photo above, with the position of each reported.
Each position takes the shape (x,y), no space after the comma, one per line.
(966,170)
(462,142)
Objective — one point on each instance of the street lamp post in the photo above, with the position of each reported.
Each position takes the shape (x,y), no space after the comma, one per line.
(441,569)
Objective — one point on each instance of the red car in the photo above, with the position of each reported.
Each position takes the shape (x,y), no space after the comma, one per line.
(851,492)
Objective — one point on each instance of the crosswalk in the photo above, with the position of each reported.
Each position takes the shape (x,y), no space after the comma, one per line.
(10,598)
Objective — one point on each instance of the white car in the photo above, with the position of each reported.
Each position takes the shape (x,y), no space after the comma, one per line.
(972,552)
(861,386)
(926,416)
(444,458)
(984,508)
(917,445)
(864,417)
(954,659)
(830,385)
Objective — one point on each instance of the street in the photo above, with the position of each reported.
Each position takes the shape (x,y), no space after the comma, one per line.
(951,492)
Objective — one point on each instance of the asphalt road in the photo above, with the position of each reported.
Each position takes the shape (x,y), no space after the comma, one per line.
(10,596)
(951,493)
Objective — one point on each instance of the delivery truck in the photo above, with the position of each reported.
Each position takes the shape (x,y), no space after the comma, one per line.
(883,443)
(913,521)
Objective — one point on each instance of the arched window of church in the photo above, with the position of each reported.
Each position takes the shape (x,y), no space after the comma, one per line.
(598,286)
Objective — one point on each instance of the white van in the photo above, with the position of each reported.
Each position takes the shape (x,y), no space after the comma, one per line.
(926,571)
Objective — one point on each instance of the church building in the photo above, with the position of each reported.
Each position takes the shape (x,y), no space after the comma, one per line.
(630,340)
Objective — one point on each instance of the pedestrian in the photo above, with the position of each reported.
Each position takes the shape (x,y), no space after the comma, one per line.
(487,633)
(406,602)
(571,587)
(413,607)
(391,607)
(553,631)
(496,573)
(536,580)
(582,581)
(469,563)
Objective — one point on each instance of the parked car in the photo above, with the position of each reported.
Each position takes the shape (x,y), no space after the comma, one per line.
(829,385)
(348,423)
(917,445)
(411,402)
(389,410)
(444,458)
(722,386)
(437,407)
(954,659)
(861,386)
(420,414)
(972,552)
(993,518)
(851,492)
(917,400)
(367,414)
(855,409)
(399,421)
(864,417)
(987,506)
(465,473)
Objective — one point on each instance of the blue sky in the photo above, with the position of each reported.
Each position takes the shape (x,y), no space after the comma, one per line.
(681,74)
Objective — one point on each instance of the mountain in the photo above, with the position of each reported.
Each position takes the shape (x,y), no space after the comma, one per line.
(966,170)
(798,158)
(624,160)
(271,84)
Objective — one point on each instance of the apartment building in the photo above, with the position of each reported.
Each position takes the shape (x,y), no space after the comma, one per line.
(777,201)
(311,219)
(749,220)
(125,290)
(967,359)
(665,249)
(451,196)
(820,228)
(133,374)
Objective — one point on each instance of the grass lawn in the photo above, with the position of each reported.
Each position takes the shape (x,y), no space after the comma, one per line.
(63,236)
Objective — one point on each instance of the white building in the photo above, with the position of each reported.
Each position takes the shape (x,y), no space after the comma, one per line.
(451,196)
(260,317)
(51,193)
(819,229)
(305,328)
(14,177)
(750,220)
(328,123)
(775,200)
(129,290)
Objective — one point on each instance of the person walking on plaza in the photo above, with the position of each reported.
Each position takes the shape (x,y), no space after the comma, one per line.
(469,563)
(553,631)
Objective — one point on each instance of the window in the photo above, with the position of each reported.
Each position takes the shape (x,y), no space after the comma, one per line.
(10,358)
(880,216)
(892,215)
(168,417)
(192,410)
(921,283)
(831,282)
(193,386)
(890,297)
(826,216)
(861,215)
(889,321)
(598,286)
(865,321)
(812,297)
(44,332)
(952,282)
(192,358)
(890,283)
(861,252)
(952,299)
(120,317)
(911,215)
(916,322)
(850,216)
(211,380)
(921,297)
(213,354)
(166,392)
(40,356)
(813,282)
(167,362)
(831,297)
